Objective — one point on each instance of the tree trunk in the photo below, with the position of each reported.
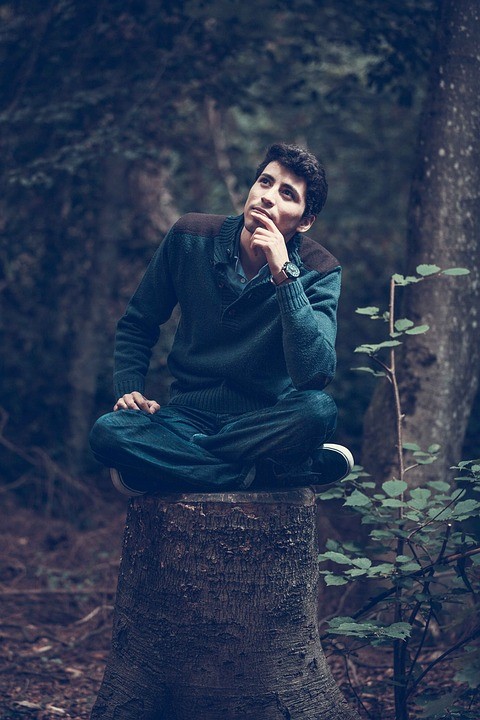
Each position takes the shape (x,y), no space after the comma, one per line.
(216,612)
(439,370)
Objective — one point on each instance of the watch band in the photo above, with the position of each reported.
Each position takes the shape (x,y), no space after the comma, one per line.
(288,272)
(280,277)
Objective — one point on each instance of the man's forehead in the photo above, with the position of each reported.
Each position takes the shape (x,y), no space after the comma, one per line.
(285,175)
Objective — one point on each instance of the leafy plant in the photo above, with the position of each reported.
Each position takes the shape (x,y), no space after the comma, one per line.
(419,548)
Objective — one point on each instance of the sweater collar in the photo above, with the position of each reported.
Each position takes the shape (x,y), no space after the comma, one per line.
(224,243)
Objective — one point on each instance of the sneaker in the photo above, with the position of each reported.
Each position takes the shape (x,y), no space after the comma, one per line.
(336,460)
(330,463)
(119,484)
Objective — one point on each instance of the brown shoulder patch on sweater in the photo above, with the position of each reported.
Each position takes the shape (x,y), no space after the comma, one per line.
(200,224)
(315,257)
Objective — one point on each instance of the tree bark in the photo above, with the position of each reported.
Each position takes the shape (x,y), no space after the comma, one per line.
(216,612)
(438,371)
(90,311)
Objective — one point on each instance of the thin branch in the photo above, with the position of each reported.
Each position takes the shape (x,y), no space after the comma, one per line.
(352,687)
(435,517)
(419,648)
(447,560)
(443,656)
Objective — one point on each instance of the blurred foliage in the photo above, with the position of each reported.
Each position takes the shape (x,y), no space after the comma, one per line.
(131,80)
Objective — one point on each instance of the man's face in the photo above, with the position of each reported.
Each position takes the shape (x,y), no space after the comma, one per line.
(280,194)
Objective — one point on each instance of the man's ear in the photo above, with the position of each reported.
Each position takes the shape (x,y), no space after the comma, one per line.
(306,223)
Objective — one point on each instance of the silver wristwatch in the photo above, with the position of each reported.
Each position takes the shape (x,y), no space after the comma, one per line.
(289,271)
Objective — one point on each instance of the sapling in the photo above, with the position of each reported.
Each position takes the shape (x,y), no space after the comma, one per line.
(428,561)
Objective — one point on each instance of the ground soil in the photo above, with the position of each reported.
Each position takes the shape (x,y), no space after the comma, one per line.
(57,585)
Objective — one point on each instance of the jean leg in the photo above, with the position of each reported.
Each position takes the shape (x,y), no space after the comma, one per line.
(159,448)
(289,431)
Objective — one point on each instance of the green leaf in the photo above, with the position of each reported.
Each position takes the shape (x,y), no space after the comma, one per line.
(419,330)
(434,448)
(403,324)
(466,509)
(334,493)
(382,535)
(436,708)
(411,446)
(399,630)
(357,499)
(335,580)
(368,311)
(410,567)
(353,628)
(335,557)
(425,270)
(356,572)
(362,562)
(456,271)
(388,343)
(371,349)
(439,485)
(402,281)
(382,569)
(375,373)
(425,459)
(468,668)
(419,498)
(392,503)
(394,488)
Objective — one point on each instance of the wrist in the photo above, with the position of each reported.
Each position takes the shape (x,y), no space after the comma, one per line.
(288,272)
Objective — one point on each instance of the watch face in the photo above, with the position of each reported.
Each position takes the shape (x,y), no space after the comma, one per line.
(291,270)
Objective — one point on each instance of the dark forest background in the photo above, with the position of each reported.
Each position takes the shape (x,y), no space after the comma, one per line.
(118,116)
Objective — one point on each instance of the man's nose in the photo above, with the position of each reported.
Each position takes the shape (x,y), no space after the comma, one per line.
(268,197)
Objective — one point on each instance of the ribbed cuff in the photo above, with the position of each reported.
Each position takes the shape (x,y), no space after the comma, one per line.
(291,296)
(130,384)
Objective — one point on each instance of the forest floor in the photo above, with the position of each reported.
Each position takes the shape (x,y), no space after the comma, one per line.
(57,585)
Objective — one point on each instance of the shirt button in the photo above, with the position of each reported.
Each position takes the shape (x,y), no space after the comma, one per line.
(242,280)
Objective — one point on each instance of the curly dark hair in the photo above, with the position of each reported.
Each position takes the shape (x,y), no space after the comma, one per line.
(304,164)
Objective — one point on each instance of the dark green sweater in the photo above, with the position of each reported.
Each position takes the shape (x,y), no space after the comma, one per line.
(231,353)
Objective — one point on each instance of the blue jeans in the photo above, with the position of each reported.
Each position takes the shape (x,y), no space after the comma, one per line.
(183,448)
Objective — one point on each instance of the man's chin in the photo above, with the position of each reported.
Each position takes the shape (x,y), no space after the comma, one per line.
(250,225)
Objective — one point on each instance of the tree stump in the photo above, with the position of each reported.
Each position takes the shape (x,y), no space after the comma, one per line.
(216,612)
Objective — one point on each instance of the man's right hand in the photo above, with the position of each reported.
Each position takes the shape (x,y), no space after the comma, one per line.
(136,401)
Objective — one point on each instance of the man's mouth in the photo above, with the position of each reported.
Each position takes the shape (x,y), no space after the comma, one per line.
(262,211)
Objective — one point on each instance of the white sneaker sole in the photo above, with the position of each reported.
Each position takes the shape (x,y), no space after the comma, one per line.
(346,454)
(121,487)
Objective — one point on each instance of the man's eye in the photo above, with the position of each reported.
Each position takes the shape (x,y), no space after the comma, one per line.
(288,193)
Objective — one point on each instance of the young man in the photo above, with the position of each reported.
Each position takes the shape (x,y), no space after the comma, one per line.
(253,351)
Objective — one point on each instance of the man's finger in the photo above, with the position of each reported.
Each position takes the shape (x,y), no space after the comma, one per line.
(139,400)
(265,220)
(153,407)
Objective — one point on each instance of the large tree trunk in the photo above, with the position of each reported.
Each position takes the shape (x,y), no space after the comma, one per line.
(89,313)
(439,370)
(216,612)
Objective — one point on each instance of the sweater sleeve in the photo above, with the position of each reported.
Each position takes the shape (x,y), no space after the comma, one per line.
(309,323)
(139,329)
